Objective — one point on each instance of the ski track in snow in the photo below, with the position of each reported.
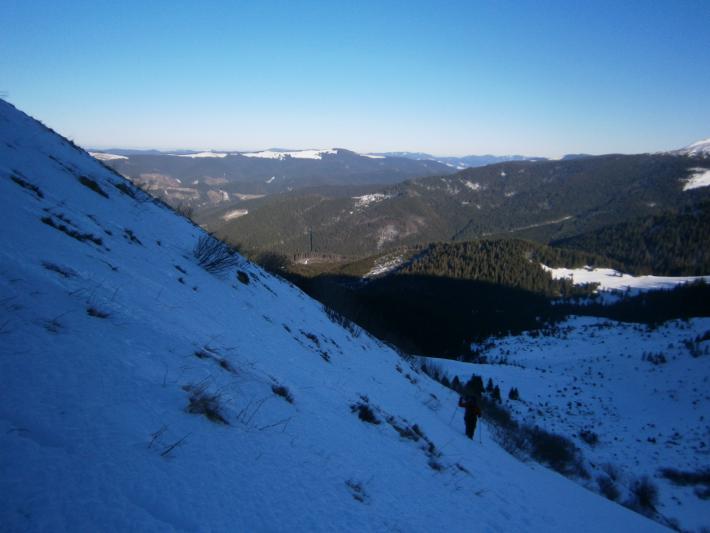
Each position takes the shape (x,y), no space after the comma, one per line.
(104,332)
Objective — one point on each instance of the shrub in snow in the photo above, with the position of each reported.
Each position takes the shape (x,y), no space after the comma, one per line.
(607,488)
(557,451)
(343,321)
(29,186)
(96,313)
(514,394)
(683,478)
(213,255)
(62,271)
(74,234)
(644,495)
(654,358)
(364,412)
(589,437)
(497,414)
(357,490)
(433,370)
(91,184)
(124,188)
(203,403)
(281,390)
(243,277)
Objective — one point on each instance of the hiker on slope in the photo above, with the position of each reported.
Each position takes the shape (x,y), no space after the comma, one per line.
(471,413)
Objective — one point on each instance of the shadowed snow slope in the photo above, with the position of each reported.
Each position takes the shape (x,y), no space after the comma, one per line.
(642,392)
(114,341)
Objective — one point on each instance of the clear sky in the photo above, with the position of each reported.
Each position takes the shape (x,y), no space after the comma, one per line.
(463,77)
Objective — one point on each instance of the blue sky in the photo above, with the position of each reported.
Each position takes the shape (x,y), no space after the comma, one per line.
(500,76)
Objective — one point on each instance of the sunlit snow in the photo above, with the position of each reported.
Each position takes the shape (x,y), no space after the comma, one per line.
(235,213)
(201,155)
(700,178)
(299,154)
(369,199)
(103,156)
(613,280)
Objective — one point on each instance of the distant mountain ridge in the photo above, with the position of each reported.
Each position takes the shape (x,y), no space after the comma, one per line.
(206,178)
(462,162)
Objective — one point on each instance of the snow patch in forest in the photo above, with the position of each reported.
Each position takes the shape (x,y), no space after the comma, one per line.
(613,280)
(700,178)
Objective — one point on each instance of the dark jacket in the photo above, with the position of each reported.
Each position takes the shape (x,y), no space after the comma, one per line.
(471,405)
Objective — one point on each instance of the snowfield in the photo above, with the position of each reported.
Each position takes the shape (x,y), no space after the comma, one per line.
(472,186)
(613,280)
(201,155)
(298,154)
(643,392)
(697,149)
(101,156)
(366,200)
(144,393)
(700,178)
(235,213)
(384,265)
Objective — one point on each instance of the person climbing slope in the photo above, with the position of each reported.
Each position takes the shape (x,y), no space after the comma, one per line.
(471,413)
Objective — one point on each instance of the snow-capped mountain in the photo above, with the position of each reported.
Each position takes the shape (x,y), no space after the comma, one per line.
(296,154)
(202,179)
(143,392)
(697,149)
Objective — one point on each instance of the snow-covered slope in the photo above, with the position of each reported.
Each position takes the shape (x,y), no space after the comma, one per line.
(298,154)
(609,279)
(201,155)
(103,156)
(697,149)
(699,178)
(111,333)
(643,392)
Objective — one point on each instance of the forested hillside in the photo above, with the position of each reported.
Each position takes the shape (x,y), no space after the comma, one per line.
(511,262)
(540,201)
(448,295)
(674,244)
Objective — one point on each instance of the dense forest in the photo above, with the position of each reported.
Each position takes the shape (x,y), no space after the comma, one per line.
(450,295)
(538,201)
(508,262)
(676,243)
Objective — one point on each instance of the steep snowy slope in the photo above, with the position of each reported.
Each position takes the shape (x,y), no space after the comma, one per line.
(142,393)
(631,397)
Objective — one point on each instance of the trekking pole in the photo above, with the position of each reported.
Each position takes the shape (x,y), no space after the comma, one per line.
(480,435)
(452,415)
